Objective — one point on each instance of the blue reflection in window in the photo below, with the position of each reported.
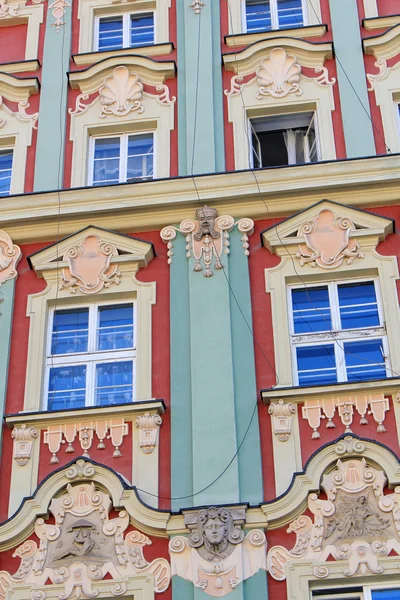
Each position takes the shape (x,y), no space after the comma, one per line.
(106,161)
(6,161)
(140,156)
(316,365)
(111,33)
(114,383)
(358,305)
(67,387)
(386,594)
(142,30)
(258,15)
(115,330)
(364,360)
(290,13)
(311,311)
(70,331)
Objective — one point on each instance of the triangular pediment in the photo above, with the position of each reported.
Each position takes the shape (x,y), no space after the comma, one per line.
(360,224)
(122,249)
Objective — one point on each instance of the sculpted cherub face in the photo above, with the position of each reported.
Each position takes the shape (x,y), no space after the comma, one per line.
(214,531)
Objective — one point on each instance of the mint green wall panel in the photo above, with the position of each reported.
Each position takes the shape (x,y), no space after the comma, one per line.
(49,167)
(256,587)
(358,129)
(6,314)
(249,458)
(200,114)
(181,409)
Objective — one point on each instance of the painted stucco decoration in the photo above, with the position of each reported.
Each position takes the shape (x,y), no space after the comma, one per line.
(84,434)
(21,114)
(10,255)
(356,525)
(121,93)
(316,409)
(89,266)
(23,437)
(207,238)
(58,9)
(83,546)
(217,555)
(149,427)
(282,416)
(197,5)
(279,75)
(327,241)
(8,10)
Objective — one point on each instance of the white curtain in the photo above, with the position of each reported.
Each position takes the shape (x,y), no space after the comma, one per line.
(294,140)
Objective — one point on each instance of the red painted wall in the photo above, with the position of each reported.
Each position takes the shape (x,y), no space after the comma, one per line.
(388,7)
(12,43)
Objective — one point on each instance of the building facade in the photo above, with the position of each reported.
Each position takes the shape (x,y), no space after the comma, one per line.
(199,299)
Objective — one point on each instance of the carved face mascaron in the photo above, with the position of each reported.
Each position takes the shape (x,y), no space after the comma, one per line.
(216,534)
(206,218)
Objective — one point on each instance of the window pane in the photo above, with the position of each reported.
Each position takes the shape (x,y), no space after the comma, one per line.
(67,387)
(290,13)
(140,156)
(142,30)
(386,595)
(258,15)
(106,161)
(70,331)
(311,311)
(113,383)
(364,360)
(316,365)
(358,305)
(6,160)
(115,327)
(110,33)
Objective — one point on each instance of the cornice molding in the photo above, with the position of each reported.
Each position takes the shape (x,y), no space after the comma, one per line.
(150,71)
(308,54)
(17,89)
(245,39)
(24,66)
(90,58)
(384,46)
(381,22)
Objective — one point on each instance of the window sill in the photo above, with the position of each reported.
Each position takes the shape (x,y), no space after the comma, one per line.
(381,22)
(42,419)
(297,395)
(245,39)
(90,58)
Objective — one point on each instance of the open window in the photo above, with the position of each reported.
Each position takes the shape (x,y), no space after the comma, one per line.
(265,15)
(289,139)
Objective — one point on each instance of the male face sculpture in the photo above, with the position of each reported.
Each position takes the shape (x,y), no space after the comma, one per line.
(206,217)
(214,531)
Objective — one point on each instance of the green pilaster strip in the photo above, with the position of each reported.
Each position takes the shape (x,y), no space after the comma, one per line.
(49,168)
(358,130)
(182,589)
(200,108)
(181,412)
(250,472)
(6,313)
(256,586)
(213,407)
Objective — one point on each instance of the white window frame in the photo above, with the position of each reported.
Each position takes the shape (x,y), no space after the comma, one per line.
(123,155)
(365,594)
(92,357)
(341,335)
(126,17)
(12,149)
(313,122)
(274,15)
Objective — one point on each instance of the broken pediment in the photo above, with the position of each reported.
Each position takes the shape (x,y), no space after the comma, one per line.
(91,259)
(327,234)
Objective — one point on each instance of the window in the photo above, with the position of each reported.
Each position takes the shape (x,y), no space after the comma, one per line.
(357,593)
(90,356)
(264,15)
(283,140)
(338,333)
(121,158)
(125,31)
(6,161)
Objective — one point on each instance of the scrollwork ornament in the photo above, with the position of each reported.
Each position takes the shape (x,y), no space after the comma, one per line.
(81,470)
(278,75)
(80,106)
(164,98)
(321,572)
(236,86)
(38,595)
(119,589)
(323,79)
(383,72)
(121,93)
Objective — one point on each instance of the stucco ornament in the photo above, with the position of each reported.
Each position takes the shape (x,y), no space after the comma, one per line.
(121,93)
(328,241)
(23,437)
(83,546)
(356,525)
(10,255)
(217,556)
(278,75)
(58,9)
(89,266)
(207,238)
(197,6)
(8,10)
(282,416)
(149,427)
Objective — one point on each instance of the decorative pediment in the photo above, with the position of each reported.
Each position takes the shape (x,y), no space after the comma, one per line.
(327,235)
(82,547)
(91,260)
(16,89)
(357,525)
(384,46)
